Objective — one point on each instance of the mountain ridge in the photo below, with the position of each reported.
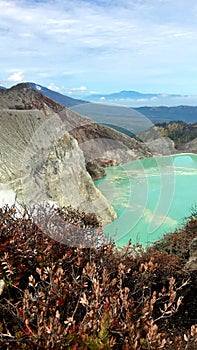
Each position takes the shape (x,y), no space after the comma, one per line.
(54,95)
(162,114)
(156,114)
(128,94)
(48,151)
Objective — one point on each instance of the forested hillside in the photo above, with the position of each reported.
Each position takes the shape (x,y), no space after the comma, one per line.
(180,132)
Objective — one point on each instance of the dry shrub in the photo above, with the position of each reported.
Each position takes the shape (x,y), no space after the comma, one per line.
(61,297)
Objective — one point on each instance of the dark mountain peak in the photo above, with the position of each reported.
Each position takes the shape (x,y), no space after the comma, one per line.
(28,95)
(56,96)
(23,97)
(20,86)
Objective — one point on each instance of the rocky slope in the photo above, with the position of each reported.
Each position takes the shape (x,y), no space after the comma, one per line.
(171,138)
(40,160)
(162,146)
(97,141)
(158,144)
(189,147)
(40,157)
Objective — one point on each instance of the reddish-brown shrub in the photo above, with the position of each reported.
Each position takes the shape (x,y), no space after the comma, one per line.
(62,297)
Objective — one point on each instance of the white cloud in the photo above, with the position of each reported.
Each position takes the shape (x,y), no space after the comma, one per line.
(16,77)
(148,45)
(92,92)
(78,89)
(54,87)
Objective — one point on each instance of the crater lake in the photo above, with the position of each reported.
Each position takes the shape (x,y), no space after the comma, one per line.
(151,197)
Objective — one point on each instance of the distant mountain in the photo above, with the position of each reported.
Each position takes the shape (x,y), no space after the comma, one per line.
(163,114)
(124,94)
(2,88)
(156,115)
(137,99)
(56,96)
(103,114)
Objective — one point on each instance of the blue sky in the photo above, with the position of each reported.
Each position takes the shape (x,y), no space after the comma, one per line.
(79,47)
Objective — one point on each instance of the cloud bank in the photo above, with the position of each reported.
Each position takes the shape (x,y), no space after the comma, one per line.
(105,46)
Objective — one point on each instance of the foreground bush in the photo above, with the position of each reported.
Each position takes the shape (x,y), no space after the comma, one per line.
(53,296)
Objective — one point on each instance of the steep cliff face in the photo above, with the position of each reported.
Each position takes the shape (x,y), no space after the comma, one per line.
(162,146)
(101,145)
(16,130)
(56,171)
(46,150)
(158,144)
(105,146)
(41,161)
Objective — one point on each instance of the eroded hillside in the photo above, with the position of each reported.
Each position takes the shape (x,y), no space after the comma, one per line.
(46,150)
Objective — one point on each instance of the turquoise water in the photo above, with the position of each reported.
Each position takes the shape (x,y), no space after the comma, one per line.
(151,196)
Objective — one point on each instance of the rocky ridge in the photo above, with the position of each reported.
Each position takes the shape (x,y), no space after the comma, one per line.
(189,147)
(46,150)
